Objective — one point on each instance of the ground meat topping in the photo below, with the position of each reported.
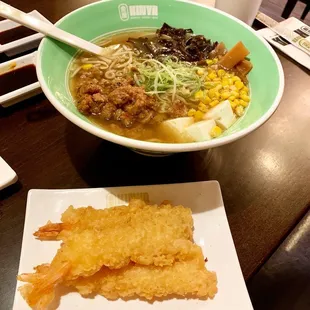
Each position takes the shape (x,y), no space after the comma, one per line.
(118,100)
(97,97)
(89,88)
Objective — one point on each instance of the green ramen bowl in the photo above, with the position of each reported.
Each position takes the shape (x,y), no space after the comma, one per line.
(106,18)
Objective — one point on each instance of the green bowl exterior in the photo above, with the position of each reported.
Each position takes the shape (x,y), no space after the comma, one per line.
(108,17)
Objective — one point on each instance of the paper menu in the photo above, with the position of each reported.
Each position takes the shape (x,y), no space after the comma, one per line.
(291,36)
(285,46)
(296,32)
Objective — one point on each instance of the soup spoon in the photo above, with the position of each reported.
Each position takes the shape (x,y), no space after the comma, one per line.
(49,30)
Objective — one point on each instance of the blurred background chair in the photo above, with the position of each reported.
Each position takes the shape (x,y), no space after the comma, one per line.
(289,7)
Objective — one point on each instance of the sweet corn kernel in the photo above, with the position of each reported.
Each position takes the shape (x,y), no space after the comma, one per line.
(212,75)
(243,103)
(245,98)
(236,78)
(230,81)
(211,93)
(214,94)
(221,73)
(244,92)
(198,94)
(202,107)
(218,87)
(215,60)
(209,85)
(209,62)
(206,100)
(239,110)
(235,93)
(225,95)
(239,84)
(214,103)
(216,131)
(87,66)
(231,98)
(225,82)
(198,116)
(191,112)
(234,103)
(200,72)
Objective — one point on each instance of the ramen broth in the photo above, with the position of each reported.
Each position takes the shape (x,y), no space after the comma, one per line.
(147,132)
(146,79)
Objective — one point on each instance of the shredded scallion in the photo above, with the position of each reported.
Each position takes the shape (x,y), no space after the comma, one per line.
(169,79)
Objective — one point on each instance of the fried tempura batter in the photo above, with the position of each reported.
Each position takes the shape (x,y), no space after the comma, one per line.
(76,220)
(119,243)
(144,234)
(183,279)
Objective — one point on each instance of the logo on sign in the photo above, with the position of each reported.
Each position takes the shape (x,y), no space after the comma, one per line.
(305,29)
(137,11)
(123,12)
(305,44)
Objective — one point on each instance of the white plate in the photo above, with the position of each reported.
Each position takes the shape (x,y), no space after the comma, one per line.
(7,175)
(22,93)
(211,233)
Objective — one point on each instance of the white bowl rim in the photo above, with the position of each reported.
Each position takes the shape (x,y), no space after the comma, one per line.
(163,147)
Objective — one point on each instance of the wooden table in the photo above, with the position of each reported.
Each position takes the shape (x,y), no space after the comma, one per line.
(264,177)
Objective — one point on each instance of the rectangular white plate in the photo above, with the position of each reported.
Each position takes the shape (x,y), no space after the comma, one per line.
(211,233)
(25,92)
(7,175)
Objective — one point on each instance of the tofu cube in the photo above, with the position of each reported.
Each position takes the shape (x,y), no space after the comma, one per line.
(222,114)
(177,126)
(200,131)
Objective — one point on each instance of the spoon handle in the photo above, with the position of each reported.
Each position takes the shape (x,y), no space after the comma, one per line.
(33,23)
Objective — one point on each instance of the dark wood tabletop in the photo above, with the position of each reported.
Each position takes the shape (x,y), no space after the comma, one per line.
(264,177)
